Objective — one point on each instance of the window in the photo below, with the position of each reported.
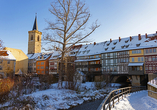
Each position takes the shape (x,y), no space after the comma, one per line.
(1,68)
(91,56)
(154,50)
(153,58)
(153,67)
(38,38)
(132,59)
(38,71)
(42,63)
(51,63)
(42,71)
(8,62)
(1,61)
(46,71)
(46,67)
(31,37)
(97,56)
(38,67)
(150,50)
(142,59)
(127,60)
(138,58)
(146,50)
(136,51)
(146,67)
(42,67)
(38,63)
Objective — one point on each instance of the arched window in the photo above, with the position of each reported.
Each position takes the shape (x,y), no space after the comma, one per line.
(1,68)
(31,37)
(38,38)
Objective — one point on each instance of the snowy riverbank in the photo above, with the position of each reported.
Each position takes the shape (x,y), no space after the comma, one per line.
(137,101)
(57,98)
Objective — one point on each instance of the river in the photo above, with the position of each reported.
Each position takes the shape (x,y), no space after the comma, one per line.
(92,105)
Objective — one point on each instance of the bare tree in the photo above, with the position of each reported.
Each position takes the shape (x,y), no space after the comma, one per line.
(69,28)
(1,45)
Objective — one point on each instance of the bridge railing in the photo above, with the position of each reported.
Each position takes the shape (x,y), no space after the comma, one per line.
(116,95)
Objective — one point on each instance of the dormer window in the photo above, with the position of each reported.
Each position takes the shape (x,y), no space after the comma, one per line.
(138,44)
(122,46)
(88,51)
(115,43)
(113,48)
(79,52)
(108,44)
(127,46)
(84,52)
(126,41)
(86,47)
(106,48)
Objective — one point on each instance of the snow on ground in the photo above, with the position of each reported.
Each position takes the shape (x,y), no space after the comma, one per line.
(54,98)
(137,101)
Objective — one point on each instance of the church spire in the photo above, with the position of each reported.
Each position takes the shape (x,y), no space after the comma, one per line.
(35,26)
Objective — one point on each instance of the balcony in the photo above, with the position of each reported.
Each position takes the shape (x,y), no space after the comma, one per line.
(94,65)
(81,66)
(95,72)
(136,72)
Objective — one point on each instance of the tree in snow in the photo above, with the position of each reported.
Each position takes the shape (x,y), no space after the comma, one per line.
(1,45)
(68,29)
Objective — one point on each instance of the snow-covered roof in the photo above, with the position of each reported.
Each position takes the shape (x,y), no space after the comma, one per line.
(121,44)
(55,55)
(7,55)
(19,72)
(43,56)
(85,60)
(34,55)
(135,64)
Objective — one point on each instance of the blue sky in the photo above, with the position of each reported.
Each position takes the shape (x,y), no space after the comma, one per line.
(118,18)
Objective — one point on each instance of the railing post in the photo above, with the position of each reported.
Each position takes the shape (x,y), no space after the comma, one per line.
(104,107)
(110,103)
(113,99)
(118,95)
(122,93)
(129,90)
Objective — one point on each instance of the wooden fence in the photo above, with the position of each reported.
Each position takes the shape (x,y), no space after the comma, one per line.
(117,94)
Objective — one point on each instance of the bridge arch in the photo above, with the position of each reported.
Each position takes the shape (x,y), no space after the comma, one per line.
(124,80)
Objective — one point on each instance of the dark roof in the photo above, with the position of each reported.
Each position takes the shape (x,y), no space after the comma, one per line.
(35,26)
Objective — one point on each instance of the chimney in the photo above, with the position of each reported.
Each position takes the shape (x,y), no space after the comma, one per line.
(42,57)
(38,57)
(139,36)
(119,39)
(110,40)
(146,35)
(130,38)
(94,43)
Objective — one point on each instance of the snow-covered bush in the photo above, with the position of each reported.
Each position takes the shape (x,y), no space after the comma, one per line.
(154,81)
